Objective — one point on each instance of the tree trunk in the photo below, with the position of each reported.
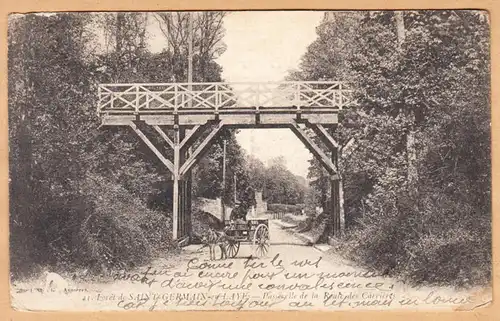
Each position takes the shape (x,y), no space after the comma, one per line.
(400,28)
(411,152)
(120,19)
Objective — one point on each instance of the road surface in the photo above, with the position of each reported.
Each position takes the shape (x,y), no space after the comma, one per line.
(293,276)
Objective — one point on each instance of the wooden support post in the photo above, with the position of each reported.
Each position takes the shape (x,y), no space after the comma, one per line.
(181,217)
(184,190)
(187,150)
(176,174)
(335,197)
(223,196)
(189,210)
(341,205)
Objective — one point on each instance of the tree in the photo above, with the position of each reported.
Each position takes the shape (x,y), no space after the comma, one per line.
(68,175)
(423,107)
(257,172)
(49,111)
(207,31)
(208,180)
(281,185)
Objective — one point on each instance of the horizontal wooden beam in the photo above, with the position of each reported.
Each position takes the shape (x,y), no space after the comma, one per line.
(200,150)
(236,117)
(121,120)
(158,154)
(315,150)
(164,136)
(258,126)
(276,110)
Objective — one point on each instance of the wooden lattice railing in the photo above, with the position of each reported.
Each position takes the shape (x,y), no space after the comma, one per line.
(176,97)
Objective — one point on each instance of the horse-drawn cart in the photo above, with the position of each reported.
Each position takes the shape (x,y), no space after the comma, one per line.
(254,231)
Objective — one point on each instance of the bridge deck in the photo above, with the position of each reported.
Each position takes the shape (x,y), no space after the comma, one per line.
(279,104)
(249,104)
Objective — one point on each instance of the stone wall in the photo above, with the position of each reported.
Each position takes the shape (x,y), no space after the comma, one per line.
(213,206)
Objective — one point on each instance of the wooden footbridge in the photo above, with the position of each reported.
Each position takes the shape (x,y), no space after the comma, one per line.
(196,113)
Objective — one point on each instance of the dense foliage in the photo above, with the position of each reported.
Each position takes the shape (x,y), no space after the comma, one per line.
(80,194)
(417,177)
(96,197)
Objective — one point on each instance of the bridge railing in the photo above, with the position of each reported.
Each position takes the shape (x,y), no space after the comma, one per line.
(173,97)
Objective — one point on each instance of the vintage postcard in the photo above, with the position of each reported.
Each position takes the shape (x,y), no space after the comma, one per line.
(250,160)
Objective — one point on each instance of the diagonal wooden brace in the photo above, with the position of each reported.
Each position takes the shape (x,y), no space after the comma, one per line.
(324,135)
(201,150)
(193,135)
(164,136)
(315,150)
(158,154)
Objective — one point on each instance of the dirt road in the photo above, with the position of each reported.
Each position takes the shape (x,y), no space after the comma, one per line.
(292,276)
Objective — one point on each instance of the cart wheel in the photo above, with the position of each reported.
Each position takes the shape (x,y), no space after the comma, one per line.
(232,248)
(261,241)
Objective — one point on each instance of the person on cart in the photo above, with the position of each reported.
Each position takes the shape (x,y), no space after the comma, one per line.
(240,209)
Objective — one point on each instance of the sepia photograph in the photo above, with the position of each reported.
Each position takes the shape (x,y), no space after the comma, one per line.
(250,160)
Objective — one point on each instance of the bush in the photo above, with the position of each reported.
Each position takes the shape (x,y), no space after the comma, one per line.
(442,242)
(121,231)
(293,219)
(98,225)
